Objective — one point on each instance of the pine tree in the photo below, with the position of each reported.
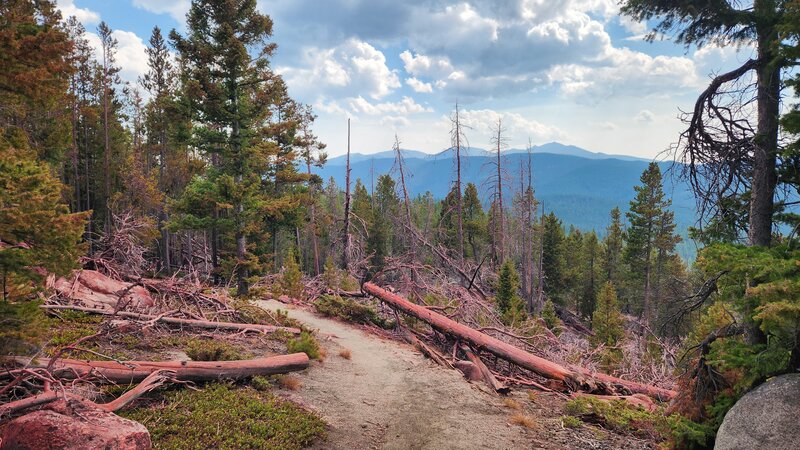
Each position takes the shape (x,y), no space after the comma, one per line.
(509,304)
(474,222)
(552,257)
(613,243)
(590,275)
(651,240)
(607,320)
(35,68)
(244,121)
(384,215)
(36,229)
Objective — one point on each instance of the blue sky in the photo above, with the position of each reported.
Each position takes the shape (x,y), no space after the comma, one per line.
(571,71)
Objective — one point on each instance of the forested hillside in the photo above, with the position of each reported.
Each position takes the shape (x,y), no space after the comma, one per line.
(182,263)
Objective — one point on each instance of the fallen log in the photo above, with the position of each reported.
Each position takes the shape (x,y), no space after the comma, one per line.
(575,380)
(426,350)
(136,371)
(208,324)
(94,289)
(486,374)
(151,382)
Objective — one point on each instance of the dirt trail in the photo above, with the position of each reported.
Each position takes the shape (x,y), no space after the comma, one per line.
(388,396)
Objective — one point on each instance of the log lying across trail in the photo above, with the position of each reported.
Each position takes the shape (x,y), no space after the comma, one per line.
(574,379)
(136,371)
(178,321)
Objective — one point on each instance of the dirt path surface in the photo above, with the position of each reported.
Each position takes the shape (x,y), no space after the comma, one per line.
(388,396)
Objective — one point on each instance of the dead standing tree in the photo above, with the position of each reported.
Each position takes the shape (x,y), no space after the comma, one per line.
(457,139)
(346,229)
(499,142)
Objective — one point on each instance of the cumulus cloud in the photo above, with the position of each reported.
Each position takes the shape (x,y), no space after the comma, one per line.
(131,56)
(419,86)
(84,15)
(404,107)
(349,69)
(517,127)
(625,72)
(645,116)
(175,8)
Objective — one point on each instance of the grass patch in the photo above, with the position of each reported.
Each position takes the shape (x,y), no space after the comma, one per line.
(345,353)
(222,416)
(260,383)
(213,350)
(289,382)
(571,422)
(305,343)
(511,403)
(620,416)
(523,420)
(532,396)
(347,309)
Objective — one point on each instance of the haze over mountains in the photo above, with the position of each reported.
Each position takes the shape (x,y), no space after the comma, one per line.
(580,186)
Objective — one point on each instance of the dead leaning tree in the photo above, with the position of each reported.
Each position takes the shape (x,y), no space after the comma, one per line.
(575,380)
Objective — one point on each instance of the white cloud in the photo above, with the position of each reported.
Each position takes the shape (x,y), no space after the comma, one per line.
(517,127)
(352,68)
(131,56)
(419,86)
(175,8)
(404,107)
(417,64)
(625,72)
(84,15)
(645,116)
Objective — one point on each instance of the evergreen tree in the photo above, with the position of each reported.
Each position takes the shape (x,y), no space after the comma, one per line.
(590,276)
(35,68)
(612,248)
(572,251)
(509,304)
(36,229)
(651,240)
(607,321)
(381,234)
(474,222)
(552,257)
(244,120)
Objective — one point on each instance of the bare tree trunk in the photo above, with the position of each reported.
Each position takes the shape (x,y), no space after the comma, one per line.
(313,224)
(459,200)
(764,159)
(346,230)
(106,146)
(499,187)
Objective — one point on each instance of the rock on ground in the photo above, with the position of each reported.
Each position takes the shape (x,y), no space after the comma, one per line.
(766,417)
(73,425)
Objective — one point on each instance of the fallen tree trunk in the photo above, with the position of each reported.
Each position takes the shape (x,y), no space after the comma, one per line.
(208,324)
(486,374)
(426,350)
(151,382)
(136,371)
(574,379)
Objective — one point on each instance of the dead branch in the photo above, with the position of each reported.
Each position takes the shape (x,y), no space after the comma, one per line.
(178,321)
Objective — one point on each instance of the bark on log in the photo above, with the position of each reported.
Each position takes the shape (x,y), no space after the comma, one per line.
(136,371)
(427,351)
(575,380)
(486,374)
(178,321)
(94,289)
(151,382)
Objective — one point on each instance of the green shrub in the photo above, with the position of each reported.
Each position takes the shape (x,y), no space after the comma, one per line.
(305,343)
(551,318)
(213,350)
(222,416)
(335,306)
(571,421)
(260,383)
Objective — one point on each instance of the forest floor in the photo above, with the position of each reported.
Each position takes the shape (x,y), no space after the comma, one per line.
(388,396)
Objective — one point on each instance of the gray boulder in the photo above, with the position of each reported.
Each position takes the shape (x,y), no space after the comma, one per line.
(767,417)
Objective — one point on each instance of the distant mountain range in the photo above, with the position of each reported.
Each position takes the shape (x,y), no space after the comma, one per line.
(580,186)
